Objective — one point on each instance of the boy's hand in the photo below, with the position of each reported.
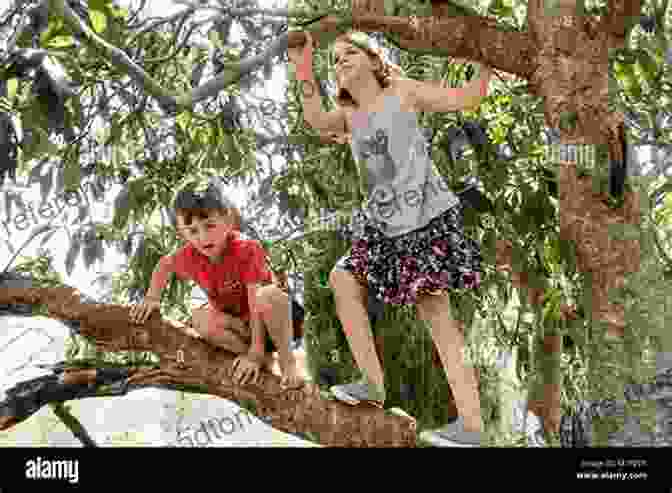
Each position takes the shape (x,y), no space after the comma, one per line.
(245,369)
(141,312)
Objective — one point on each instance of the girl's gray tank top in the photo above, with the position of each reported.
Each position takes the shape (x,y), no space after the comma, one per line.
(403,191)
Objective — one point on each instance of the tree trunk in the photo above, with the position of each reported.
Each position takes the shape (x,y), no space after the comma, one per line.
(188,361)
(545,399)
(586,219)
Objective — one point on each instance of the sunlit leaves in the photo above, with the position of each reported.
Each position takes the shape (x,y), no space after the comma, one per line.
(60,42)
(98,21)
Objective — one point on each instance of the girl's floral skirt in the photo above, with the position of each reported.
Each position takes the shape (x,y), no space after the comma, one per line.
(431,260)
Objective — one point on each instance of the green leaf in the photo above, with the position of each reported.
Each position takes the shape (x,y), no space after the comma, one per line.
(648,64)
(213,37)
(98,4)
(38,144)
(60,42)
(183,121)
(98,20)
(72,175)
(12,88)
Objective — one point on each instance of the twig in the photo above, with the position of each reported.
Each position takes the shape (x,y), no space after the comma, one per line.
(77,429)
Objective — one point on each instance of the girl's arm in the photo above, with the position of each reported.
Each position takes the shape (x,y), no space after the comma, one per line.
(313,114)
(428,96)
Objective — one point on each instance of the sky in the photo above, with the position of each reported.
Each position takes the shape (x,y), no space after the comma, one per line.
(81,278)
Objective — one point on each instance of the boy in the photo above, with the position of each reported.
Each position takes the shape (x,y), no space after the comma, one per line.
(245,307)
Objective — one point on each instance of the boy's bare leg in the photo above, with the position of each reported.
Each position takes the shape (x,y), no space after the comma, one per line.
(276,317)
(215,327)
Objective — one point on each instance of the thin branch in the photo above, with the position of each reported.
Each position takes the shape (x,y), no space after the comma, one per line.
(177,46)
(620,17)
(167,100)
(130,22)
(72,423)
(152,27)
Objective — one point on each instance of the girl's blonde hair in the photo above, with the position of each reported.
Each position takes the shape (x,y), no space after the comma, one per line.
(385,72)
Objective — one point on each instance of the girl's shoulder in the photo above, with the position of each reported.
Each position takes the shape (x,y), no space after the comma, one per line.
(400,90)
(404,89)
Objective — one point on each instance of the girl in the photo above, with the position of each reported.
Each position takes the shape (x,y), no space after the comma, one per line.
(245,307)
(408,243)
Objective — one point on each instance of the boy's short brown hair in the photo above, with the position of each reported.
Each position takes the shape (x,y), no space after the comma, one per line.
(188,214)
(193,200)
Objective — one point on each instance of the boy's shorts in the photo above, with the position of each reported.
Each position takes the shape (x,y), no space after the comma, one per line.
(199,299)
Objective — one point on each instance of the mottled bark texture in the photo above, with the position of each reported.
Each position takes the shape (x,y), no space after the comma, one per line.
(188,361)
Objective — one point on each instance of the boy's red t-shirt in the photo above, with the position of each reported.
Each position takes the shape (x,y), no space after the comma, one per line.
(244,262)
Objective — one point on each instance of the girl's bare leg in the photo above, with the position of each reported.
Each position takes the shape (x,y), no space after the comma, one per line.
(446,333)
(351,308)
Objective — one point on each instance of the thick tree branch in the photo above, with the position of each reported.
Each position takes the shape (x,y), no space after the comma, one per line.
(622,15)
(185,360)
(474,38)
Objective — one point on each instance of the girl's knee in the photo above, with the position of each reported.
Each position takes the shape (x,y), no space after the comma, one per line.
(340,279)
(207,322)
(432,306)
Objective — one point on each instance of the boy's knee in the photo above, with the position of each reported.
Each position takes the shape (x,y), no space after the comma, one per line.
(204,322)
(269,296)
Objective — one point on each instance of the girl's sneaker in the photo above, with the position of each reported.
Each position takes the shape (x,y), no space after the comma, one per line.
(358,393)
(452,435)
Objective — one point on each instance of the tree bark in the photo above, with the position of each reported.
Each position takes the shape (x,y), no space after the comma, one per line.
(188,361)
(545,400)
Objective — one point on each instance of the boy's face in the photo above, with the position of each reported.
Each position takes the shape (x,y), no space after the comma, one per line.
(207,235)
